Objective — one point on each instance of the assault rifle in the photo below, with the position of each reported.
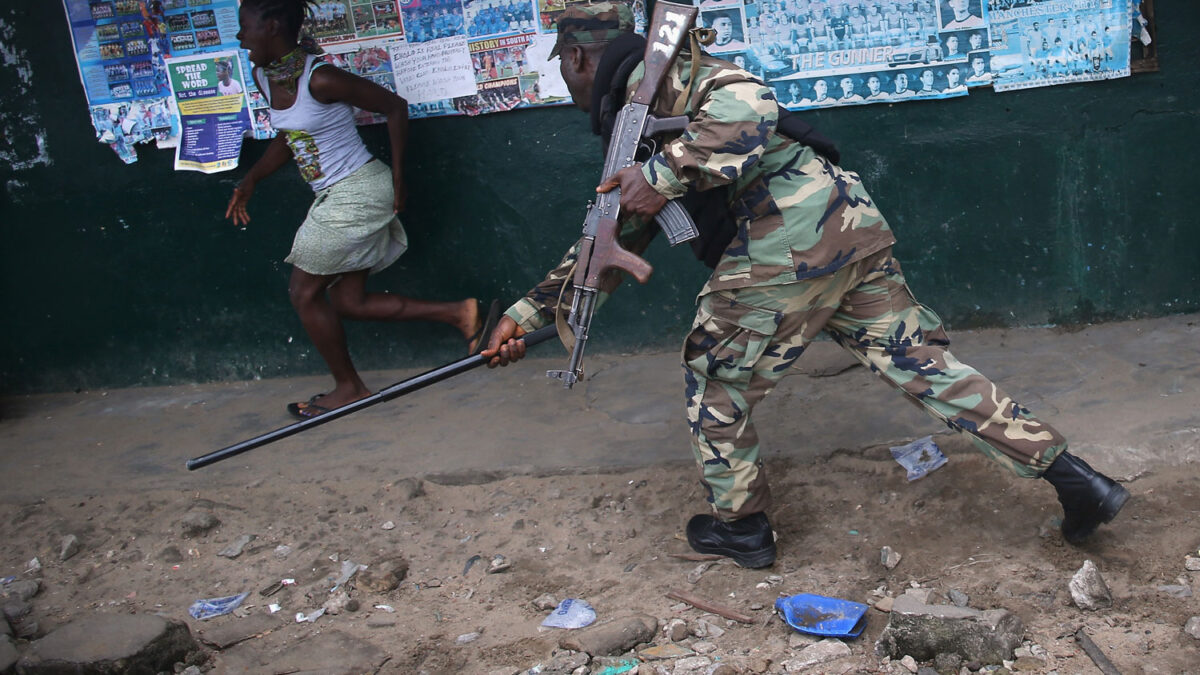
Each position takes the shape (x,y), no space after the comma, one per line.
(599,250)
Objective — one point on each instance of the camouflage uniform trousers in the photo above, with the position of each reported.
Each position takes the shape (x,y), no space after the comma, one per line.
(743,341)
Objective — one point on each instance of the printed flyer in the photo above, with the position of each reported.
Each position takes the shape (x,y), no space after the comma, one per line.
(210,92)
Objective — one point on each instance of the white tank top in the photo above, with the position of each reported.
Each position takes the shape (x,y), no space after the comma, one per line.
(323,137)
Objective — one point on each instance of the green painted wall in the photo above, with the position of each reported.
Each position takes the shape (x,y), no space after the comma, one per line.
(1061,205)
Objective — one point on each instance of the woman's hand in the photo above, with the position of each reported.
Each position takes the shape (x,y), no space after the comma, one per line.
(237,203)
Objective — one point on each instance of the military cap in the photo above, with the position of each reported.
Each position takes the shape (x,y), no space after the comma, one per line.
(592,22)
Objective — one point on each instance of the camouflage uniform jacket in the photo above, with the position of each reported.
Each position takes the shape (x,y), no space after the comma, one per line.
(799,216)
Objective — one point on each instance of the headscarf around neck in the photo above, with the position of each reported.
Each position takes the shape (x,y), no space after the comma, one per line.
(286,70)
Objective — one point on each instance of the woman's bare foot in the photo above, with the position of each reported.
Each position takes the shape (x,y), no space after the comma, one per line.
(334,399)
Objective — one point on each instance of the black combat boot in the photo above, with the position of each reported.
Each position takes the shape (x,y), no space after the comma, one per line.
(1088,497)
(749,541)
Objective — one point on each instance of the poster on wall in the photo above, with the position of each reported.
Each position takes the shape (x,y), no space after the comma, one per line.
(121,47)
(210,92)
(1059,42)
(474,57)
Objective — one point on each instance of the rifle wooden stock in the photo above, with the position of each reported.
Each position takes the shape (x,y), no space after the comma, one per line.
(388,393)
(667,29)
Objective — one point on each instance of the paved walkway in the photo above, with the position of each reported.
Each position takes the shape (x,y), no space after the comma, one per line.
(1127,395)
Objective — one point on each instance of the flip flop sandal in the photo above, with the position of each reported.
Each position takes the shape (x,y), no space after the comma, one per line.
(307,409)
(478,342)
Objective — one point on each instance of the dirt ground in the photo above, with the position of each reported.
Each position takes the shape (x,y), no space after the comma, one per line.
(608,538)
(586,494)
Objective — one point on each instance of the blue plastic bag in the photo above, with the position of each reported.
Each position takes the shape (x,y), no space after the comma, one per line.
(571,613)
(919,458)
(819,615)
(208,608)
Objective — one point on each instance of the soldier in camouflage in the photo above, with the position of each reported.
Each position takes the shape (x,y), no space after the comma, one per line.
(812,254)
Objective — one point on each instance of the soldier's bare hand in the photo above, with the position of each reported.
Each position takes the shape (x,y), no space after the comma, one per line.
(637,196)
(503,347)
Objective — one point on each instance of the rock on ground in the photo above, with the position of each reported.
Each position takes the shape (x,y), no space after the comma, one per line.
(115,644)
(924,631)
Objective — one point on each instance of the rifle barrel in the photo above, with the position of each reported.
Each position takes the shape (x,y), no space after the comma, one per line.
(386,394)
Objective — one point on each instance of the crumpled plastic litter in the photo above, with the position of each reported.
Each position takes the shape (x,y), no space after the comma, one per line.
(301,617)
(210,607)
(919,458)
(349,569)
(821,615)
(570,613)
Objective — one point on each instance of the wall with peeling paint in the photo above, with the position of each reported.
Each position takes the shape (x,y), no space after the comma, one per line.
(1064,205)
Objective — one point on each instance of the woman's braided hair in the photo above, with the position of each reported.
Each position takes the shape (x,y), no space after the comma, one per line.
(289,13)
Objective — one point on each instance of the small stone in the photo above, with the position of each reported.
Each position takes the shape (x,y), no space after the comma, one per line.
(821,652)
(235,549)
(15,609)
(692,664)
(664,652)
(703,628)
(1192,564)
(22,589)
(336,602)
(909,663)
(798,641)
(703,647)
(389,525)
(676,630)
(282,551)
(1088,590)
(922,595)
(889,557)
(70,546)
(382,576)
(195,523)
(466,638)
(958,598)
(544,601)
(499,564)
(885,604)
(1192,627)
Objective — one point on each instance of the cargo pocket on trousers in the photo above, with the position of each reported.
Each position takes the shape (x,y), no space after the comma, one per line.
(728,339)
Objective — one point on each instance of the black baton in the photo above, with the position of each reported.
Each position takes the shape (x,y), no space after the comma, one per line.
(386,394)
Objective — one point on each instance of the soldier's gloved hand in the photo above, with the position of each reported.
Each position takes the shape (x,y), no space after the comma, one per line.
(637,197)
(503,348)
